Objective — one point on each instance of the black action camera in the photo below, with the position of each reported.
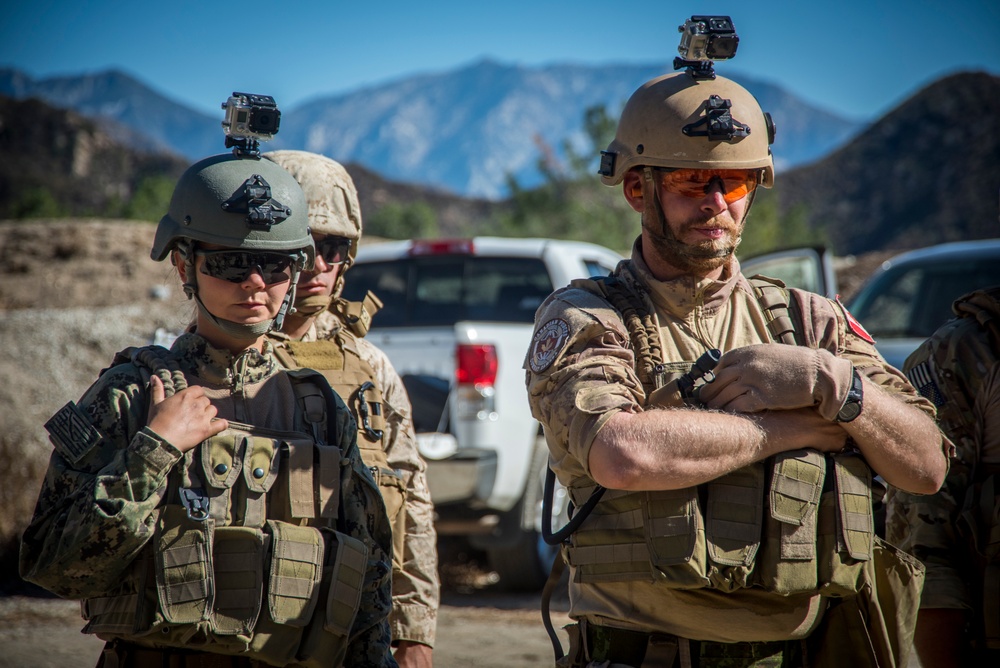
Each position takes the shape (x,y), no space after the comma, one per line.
(705,39)
(251,116)
(250,119)
(708,38)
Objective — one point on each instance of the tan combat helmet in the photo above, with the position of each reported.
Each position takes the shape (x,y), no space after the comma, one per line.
(240,203)
(333,209)
(678,121)
(330,193)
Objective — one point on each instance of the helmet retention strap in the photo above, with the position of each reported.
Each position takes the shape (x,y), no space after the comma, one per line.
(651,199)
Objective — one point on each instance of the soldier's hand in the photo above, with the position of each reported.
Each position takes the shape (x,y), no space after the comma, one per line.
(413,655)
(800,428)
(773,376)
(185,419)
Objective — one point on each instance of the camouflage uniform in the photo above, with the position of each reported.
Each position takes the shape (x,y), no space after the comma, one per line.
(583,368)
(100,510)
(958,369)
(415,582)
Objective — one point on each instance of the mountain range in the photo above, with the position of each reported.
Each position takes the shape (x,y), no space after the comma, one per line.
(462,131)
(926,172)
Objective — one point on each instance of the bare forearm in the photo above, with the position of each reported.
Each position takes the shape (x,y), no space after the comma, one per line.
(899,441)
(673,449)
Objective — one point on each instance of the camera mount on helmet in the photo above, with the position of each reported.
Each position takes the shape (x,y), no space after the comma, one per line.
(250,119)
(705,39)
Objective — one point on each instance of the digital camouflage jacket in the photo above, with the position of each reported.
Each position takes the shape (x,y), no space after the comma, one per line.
(112,524)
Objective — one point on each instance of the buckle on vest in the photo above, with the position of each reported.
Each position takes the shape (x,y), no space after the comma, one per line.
(195,501)
(376,434)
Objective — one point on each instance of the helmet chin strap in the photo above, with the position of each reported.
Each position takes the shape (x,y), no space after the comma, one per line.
(313,304)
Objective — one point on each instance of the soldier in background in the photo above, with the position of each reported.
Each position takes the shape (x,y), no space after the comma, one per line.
(741,535)
(208,507)
(956,532)
(326,333)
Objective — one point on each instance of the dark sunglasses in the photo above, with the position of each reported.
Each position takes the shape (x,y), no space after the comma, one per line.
(237,266)
(334,250)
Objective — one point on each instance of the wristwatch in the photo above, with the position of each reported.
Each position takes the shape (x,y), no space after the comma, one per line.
(853,404)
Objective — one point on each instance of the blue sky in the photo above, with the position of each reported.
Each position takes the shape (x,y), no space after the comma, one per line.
(853,57)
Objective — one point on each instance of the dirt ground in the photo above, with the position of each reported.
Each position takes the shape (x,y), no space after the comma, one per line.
(484,631)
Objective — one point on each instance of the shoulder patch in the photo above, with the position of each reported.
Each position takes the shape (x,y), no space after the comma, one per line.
(922,378)
(72,433)
(547,343)
(854,325)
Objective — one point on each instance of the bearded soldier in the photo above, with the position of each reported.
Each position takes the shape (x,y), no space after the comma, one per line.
(733,521)
(326,332)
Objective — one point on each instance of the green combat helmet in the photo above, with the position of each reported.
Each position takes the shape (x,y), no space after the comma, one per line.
(237,201)
(333,208)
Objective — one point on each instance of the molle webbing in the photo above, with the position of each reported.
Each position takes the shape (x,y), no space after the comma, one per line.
(296,571)
(773,299)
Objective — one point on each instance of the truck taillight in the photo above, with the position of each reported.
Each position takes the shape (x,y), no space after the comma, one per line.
(442,247)
(476,364)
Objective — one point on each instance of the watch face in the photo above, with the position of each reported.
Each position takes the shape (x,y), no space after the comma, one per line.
(850,411)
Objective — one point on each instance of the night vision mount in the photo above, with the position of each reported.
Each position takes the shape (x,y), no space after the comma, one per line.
(250,119)
(705,39)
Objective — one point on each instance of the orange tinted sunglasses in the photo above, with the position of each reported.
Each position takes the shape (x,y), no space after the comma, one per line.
(735,183)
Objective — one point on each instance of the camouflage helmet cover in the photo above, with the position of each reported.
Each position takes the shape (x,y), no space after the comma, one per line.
(236,202)
(330,192)
(665,121)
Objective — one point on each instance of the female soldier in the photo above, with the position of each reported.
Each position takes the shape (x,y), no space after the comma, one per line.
(208,508)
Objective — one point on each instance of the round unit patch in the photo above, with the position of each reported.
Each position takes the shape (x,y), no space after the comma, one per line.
(547,344)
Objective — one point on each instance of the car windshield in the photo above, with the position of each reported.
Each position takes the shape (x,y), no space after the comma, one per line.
(441,290)
(914,300)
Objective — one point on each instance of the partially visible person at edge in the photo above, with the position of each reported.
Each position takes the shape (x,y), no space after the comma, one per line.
(326,333)
(956,532)
(207,507)
(735,527)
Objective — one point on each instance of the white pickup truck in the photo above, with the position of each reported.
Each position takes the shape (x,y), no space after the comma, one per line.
(456,324)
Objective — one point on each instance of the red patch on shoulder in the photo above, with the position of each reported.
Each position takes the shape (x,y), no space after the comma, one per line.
(854,324)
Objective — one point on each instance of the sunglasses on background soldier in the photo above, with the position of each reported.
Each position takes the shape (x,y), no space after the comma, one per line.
(334,250)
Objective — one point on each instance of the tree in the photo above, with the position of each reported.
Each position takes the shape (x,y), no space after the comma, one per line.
(37,202)
(572,203)
(403,221)
(151,199)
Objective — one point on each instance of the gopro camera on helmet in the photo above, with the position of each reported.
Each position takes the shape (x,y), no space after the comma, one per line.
(708,38)
(250,119)
(705,39)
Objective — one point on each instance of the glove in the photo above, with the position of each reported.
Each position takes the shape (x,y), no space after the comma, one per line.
(774,376)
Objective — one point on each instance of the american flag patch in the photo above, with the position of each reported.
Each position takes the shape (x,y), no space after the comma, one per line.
(921,378)
(71,432)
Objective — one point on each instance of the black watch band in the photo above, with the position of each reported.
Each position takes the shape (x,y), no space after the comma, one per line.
(854,402)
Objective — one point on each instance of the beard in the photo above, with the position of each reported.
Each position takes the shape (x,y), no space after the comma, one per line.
(700,257)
